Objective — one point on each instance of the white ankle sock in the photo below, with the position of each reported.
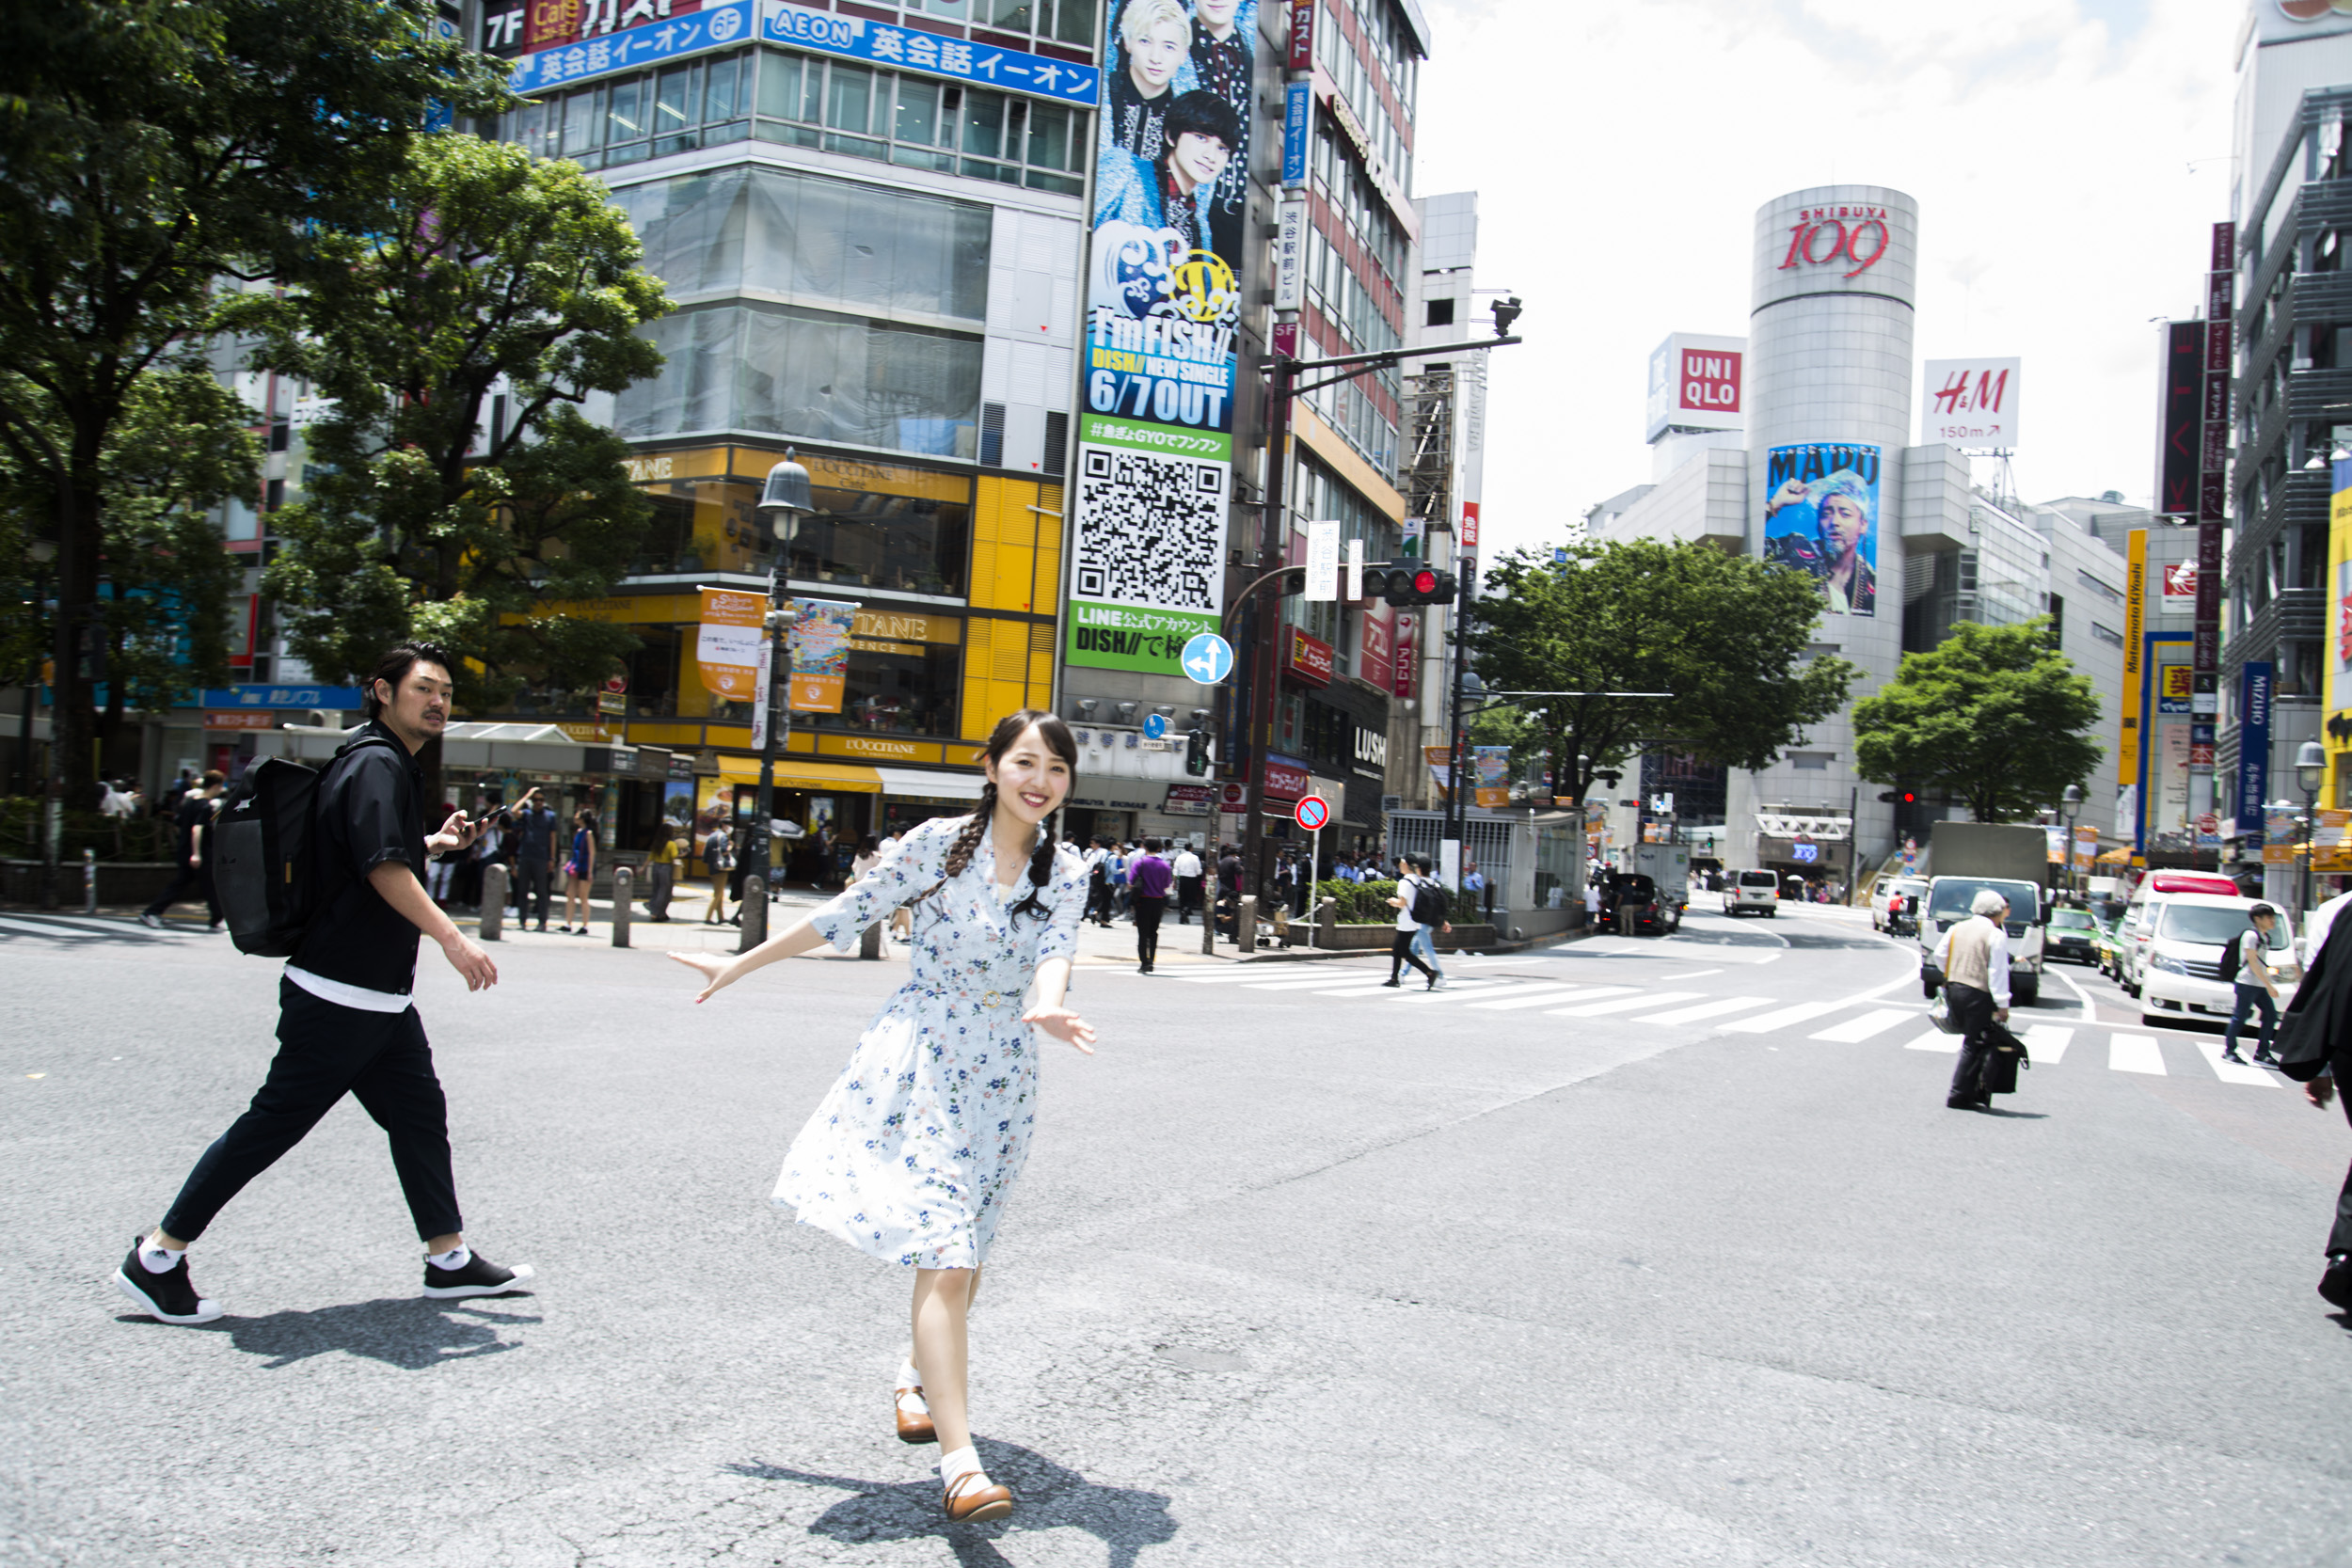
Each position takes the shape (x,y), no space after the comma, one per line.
(908,1376)
(455,1258)
(155,1259)
(964,1461)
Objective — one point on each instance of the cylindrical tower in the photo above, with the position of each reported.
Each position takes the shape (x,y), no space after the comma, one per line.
(1828,415)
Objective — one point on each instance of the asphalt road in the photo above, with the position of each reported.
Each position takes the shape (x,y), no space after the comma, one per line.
(1644,1252)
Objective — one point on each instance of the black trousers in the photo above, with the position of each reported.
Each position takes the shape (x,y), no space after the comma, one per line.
(2340,1239)
(325,1050)
(1188,899)
(188,879)
(531,889)
(1400,953)
(1098,902)
(1148,913)
(663,880)
(1972,1009)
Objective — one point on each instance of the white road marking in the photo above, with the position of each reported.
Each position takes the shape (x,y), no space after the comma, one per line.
(1861,1028)
(1764,1023)
(1695,974)
(1707,1009)
(1935,1040)
(76,929)
(2090,1012)
(1621,1004)
(1535,997)
(2046,1044)
(1456,990)
(1307,982)
(2136,1054)
(2233,1072)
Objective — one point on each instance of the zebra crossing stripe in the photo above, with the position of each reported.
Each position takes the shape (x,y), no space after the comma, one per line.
(1620,1003)
(1858,1029)
(2233,1072)
(1707,1009)
(2046,1044)
(1764,1023)
(1536,996)
(1935,1040)
(2136,1054)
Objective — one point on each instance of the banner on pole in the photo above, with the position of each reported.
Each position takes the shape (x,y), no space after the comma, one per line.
(820,653)
(727,651)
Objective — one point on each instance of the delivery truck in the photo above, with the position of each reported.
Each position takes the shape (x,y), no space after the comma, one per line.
(2011,857)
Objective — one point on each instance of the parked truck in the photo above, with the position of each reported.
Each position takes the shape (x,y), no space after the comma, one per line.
(2011,857)
(1668,867)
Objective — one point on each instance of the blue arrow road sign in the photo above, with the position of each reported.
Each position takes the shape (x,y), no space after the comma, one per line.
(1208,658)
(1155,726)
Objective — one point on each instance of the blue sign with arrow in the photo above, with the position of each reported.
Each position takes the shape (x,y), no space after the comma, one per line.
(1208,658)
(1155,726)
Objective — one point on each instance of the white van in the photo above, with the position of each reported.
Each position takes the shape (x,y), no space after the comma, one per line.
(1946,906)
(2180,964)
(1751,892)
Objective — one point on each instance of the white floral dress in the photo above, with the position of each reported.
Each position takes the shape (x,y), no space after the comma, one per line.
(913,1149)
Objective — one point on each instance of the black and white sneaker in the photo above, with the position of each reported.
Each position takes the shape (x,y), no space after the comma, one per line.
(169,1297)
(479,1277)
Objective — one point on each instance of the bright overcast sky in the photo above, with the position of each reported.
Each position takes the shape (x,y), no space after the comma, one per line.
(1620,150)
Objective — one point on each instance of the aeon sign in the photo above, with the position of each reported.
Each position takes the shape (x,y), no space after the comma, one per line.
(1852,239)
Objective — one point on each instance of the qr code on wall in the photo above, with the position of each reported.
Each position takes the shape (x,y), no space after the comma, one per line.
(1151,530)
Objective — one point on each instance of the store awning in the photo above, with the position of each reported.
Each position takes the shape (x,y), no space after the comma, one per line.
(794,773)
(927,782)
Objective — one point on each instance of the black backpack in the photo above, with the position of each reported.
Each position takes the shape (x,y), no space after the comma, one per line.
(2232,957)
(1429,907)
(263,853)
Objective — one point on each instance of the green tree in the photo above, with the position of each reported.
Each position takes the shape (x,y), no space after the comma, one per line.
(1725,634)
(489,271)
(149,149)
(1995,715)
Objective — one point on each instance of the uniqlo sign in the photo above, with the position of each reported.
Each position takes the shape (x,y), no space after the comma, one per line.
(1694,384)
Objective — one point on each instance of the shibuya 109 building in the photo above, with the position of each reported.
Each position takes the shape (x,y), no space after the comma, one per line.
(1800,444)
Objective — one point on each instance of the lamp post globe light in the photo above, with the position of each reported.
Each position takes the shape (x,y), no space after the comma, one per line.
(2310,770)
(786,502)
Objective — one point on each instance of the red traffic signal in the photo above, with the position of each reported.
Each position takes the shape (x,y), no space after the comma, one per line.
(1409,582)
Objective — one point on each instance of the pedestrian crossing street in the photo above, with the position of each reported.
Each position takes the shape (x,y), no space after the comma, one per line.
(1850,1021)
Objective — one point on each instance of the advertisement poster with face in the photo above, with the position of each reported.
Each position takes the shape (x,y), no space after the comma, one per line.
(1821,517)
(1163,294)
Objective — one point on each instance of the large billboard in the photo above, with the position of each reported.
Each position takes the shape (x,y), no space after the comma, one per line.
(1820,516)
(1695,383)
(1163,333)
(1971,402)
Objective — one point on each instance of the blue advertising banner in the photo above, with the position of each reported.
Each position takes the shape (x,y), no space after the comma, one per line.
(279,696)
(849,38)
(2254,750)
(1298,103)
(1821,517)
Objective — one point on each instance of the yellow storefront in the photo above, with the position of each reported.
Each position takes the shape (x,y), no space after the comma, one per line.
(956,575)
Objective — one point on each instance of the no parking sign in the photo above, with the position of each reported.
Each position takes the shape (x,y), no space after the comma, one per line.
(1313,813)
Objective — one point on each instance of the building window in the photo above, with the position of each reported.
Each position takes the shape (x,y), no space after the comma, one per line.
(2106,634)
(1441,312)
(2113,595)
(918,123)
(1813,762)
(696,104)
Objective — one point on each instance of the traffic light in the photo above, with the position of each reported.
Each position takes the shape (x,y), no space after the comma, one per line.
(1409,582)
(1294,580)
(1195,752)
(1898,796)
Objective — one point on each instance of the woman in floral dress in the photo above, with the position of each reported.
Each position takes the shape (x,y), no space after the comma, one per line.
(913,1150)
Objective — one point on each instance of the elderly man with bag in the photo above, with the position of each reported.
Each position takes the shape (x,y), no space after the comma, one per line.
(1974,959)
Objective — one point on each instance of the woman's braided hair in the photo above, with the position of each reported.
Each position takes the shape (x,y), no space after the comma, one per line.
(1009,730)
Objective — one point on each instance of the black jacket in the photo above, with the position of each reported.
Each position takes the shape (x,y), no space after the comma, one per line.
(2315,1037)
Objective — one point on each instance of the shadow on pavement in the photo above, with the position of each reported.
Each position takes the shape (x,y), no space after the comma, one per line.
(1047,1496)
(407,1331)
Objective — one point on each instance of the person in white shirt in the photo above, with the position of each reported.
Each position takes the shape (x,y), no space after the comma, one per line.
(2257,987)
(1974,959)
(1409,931)
(1190,879)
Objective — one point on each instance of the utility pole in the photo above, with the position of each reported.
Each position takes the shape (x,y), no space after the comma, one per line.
(1273,547)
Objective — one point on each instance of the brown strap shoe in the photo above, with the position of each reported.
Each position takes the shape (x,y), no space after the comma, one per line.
(969,1500)
(914,1417)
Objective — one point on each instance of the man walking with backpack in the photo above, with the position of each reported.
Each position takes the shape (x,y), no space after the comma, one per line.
(1419,904)
(347,1022)
(192,822)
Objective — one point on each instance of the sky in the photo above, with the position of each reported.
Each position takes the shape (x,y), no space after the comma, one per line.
(2068,158)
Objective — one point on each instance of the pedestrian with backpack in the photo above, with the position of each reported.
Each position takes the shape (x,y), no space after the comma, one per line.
(2246,962)
(347,1020)
(192,822)
(1420,903)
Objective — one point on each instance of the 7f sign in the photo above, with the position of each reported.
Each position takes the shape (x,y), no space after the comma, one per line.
(1970,402)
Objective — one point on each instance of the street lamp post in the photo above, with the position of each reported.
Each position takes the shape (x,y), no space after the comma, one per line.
(785,499)
(2310,770)
(2071,804)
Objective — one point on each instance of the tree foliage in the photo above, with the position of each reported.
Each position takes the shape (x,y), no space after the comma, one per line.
(1995,715)
(148,150)
(1726,635)
(488,272)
